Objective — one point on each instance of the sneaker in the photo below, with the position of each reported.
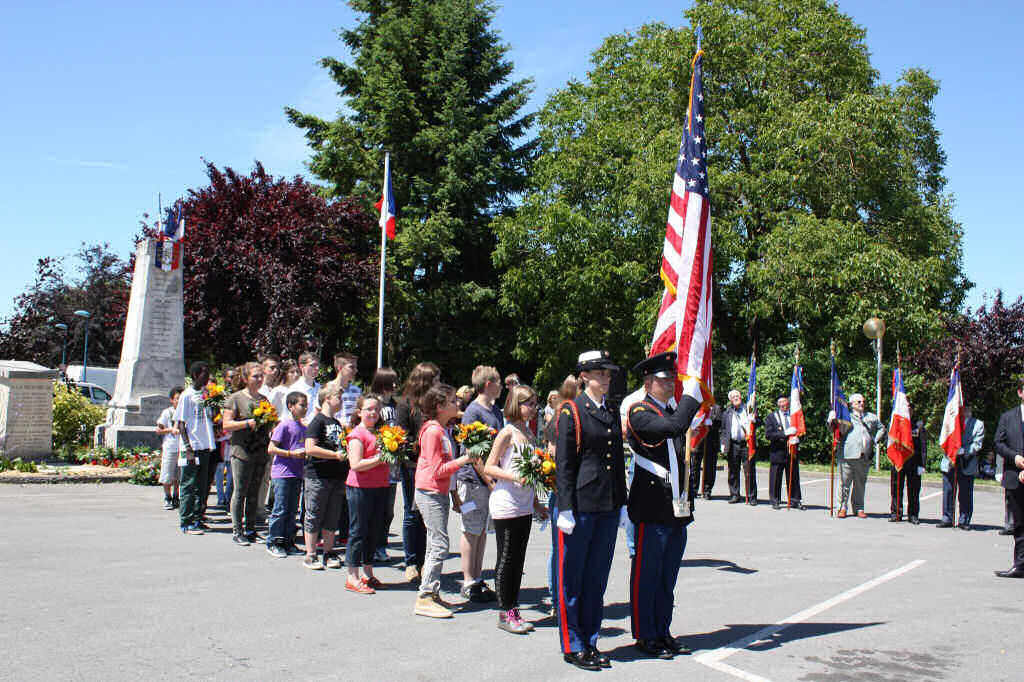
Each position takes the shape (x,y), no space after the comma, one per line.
(313,561)
(381,556)
(510,621)
(168,503)
(194,529)
(373,582)
(487,592)
(861,514)
(202,526)
(427,606)
(841,514)
(240,540)
(291,550)
(332,560)
(177,502)
(276,551)
(254,536)
(412,574)
(358,587)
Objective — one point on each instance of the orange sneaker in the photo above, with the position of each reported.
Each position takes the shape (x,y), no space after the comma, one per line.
(359,587)
(841,514)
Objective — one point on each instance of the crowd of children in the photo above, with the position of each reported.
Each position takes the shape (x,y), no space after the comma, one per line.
(319,470)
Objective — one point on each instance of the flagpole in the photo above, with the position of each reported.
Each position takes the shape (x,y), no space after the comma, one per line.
(832,467)
(383,259)
(159,213)
(792,448)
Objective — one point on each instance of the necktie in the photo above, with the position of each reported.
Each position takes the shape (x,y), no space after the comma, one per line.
(668,409)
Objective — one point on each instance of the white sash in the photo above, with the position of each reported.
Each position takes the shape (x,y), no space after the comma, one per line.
(680,499)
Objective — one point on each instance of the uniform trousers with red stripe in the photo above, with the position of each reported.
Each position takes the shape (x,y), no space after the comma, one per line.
(652,580)
(584,561)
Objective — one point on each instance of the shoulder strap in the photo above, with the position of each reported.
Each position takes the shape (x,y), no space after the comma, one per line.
(576,420)
(629,422)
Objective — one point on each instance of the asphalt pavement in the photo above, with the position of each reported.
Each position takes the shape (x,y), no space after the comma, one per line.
(96,582)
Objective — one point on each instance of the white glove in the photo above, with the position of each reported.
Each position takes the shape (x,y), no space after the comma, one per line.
(623,517)
(723,450)
(566,522)
(791,431)
(708,422)
(920,471)
(832,416)
(960,451)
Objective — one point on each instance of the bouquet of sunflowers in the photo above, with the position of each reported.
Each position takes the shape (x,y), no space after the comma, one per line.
(536,467)
(214,395)
(393,446)
(476,438)
(265,414)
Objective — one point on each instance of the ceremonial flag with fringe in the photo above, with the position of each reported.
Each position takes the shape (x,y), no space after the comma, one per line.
(684,319)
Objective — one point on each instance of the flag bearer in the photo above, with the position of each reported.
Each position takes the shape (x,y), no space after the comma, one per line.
(657,504)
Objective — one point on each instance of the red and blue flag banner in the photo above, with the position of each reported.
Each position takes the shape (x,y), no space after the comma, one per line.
(796,407)
(900,446)
(684,319)
(952,434)
(751,408)
(386,205)
(168,246)
(839,404)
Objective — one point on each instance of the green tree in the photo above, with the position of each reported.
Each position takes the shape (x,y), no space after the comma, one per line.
(429,81)
(826,190)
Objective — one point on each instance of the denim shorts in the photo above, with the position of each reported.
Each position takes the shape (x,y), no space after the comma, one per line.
(324,497)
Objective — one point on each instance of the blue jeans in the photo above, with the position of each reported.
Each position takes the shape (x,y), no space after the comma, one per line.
(366,517)
(414,533)
(552,554)
(282,520)
(630,540)
(224,481)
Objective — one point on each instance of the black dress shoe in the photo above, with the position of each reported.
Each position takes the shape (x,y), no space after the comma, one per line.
(597,657)
(676,646)
(914,520)
(775,505)
(799,505)
(734,500)
(752,503)
(964,526)
(944,524)
(653,648)
(893,518)
(581,659)
(1012,573)
(1006,531)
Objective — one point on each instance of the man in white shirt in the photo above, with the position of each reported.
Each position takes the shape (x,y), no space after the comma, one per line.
(197,447)
(307,384)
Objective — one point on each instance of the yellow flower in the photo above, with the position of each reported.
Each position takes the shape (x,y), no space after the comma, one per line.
(547,467)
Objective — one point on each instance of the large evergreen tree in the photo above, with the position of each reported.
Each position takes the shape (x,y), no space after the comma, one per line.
(429,81)
(826,190)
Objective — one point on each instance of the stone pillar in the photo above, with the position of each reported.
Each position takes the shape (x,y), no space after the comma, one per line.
(26,410)
(152,355)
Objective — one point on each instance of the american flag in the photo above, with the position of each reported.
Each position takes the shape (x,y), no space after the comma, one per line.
(900,447)
(684,319)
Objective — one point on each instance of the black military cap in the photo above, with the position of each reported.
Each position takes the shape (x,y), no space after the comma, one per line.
(660,365)
(594,359)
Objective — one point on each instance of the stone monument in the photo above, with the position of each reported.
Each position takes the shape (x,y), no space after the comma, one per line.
(152,355)
(26,410)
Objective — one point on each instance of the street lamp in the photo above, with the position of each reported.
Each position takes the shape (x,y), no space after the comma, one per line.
(874,328)
(85,353)
(64,349)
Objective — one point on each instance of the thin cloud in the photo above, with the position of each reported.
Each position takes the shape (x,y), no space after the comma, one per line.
(86,163)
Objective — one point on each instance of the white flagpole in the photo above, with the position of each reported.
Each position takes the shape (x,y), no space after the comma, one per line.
(159,212)
(383,258)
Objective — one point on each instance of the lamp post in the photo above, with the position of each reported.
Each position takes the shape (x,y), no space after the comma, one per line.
(85,353)
(64,348)
(874,328)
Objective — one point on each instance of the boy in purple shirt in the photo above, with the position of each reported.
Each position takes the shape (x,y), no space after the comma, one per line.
(287,444)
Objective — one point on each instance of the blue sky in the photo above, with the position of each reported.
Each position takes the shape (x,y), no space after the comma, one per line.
(108,103)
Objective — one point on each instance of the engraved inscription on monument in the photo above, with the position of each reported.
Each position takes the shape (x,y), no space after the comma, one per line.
(26,409)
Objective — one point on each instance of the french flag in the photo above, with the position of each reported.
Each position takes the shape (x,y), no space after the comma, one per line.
(952,433)
(751,398)
(386,205)
(168,247)
(900,446)
(796,408)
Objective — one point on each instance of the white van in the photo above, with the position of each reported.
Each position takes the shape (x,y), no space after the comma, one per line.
(104,377)
(95,394)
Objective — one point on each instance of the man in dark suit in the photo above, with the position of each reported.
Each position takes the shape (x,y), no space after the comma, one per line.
(735,425)
(909,477)
(590,477)
(704,460)
(782,466)
(1010,446)
(657,508)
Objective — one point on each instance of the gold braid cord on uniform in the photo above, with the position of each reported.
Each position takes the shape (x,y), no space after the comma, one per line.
(629,423)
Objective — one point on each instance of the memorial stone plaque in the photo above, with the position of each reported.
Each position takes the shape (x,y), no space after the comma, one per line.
(26,410)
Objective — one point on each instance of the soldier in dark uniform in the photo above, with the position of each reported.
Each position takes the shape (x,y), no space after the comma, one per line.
(590,478)
(657,432)
(909,477)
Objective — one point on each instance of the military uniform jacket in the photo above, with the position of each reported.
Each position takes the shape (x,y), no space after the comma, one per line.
(590,476)
(650,497)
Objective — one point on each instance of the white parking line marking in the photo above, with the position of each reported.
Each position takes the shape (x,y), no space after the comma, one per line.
(717,655)
(928,497)
(735,672)
(817,480)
